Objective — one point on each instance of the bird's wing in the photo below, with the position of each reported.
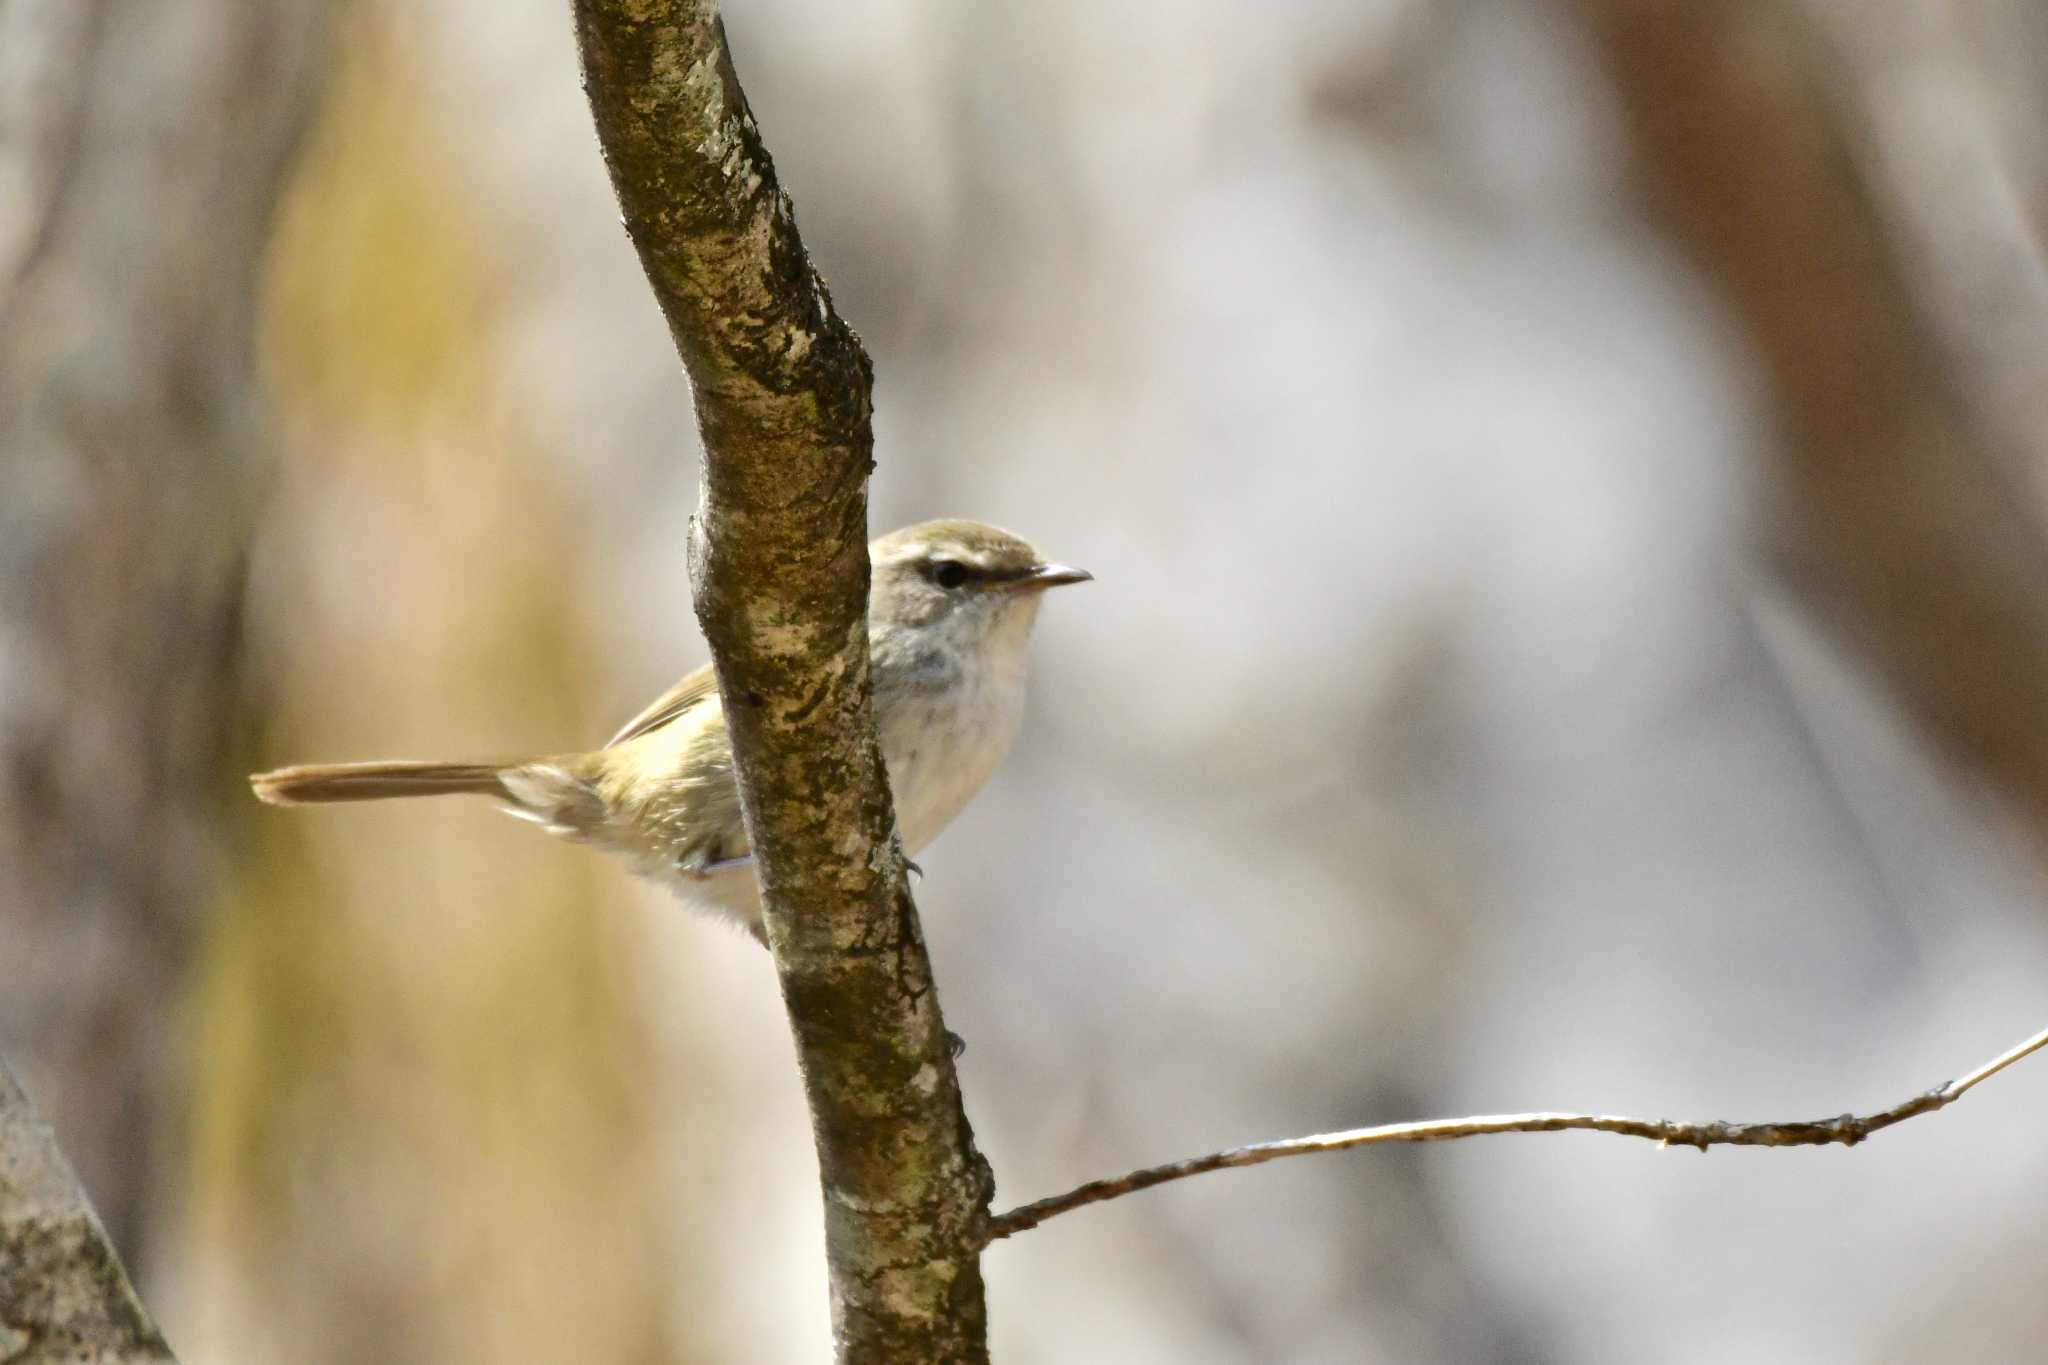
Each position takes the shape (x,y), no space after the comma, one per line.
(694,688)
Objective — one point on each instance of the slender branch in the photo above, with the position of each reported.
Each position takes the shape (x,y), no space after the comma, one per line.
(780,564)
(1848,1130)
(63,1292)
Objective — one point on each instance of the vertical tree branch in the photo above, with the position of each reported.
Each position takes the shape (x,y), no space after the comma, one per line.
(63,1293)
(780,566)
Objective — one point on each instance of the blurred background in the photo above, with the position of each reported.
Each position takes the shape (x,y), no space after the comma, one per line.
(1566,485)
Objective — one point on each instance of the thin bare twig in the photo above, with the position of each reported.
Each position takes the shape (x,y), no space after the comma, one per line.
(1848,1129)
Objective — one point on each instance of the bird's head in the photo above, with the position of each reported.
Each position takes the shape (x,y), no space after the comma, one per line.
(958,585)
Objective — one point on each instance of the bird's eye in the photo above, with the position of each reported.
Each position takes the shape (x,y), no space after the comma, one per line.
(948,573)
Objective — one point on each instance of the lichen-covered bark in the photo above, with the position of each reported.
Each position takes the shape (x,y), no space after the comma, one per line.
(63,1293)
(780,566)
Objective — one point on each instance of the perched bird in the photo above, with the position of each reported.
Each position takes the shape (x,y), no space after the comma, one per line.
(950,610)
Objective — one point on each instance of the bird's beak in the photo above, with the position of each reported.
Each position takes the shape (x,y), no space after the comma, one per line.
(1041,576)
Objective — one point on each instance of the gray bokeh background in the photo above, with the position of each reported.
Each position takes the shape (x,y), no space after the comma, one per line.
(1439,735)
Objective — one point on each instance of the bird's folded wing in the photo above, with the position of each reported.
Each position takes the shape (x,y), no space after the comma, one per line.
(693,689)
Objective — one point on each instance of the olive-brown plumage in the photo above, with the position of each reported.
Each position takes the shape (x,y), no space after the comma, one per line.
(950,612)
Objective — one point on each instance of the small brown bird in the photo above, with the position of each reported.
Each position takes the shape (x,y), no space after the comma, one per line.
(949,618)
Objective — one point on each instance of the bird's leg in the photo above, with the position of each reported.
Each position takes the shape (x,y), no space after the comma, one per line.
(703,861)
(908,866)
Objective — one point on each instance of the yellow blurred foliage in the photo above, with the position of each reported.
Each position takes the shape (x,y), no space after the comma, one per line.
(421,1080)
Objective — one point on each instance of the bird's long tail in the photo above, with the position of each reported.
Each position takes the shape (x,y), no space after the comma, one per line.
(312,783)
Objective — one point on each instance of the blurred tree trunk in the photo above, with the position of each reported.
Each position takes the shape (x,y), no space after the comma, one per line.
(141,151)
(1899,503)
(1951,104)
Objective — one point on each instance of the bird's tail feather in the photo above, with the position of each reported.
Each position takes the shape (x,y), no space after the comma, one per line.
(312,783)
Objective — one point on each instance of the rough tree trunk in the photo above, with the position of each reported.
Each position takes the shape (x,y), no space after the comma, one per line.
(63,1292)
(783,402)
